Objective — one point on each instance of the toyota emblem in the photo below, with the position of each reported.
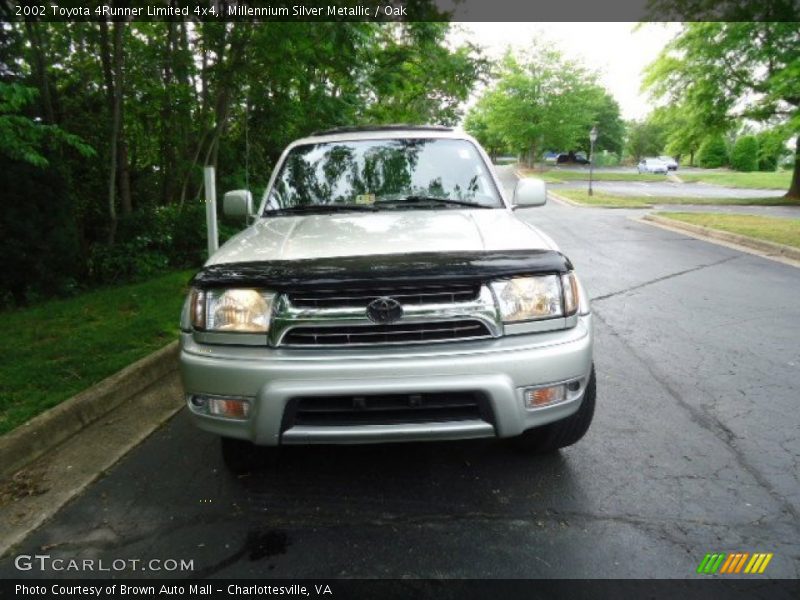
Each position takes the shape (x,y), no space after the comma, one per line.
(384,310)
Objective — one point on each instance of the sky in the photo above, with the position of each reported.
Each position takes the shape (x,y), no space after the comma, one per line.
(617,51)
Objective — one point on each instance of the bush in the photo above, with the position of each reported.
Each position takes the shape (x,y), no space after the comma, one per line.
(744,156)
(150,241)
(39,242)
(771,149)
(606,159)
(712,153)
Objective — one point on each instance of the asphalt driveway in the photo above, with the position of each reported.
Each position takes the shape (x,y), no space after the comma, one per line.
(694,449)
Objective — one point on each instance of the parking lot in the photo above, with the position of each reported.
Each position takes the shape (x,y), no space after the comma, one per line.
(694,449)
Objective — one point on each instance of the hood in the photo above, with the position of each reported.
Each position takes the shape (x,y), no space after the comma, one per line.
(381,233)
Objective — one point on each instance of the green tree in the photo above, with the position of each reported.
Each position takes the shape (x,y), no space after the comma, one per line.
(479,124)
(417,78)
(744,156)
(608,120)
(159,100)
(726,71)
(22,138)
(644,138)
(543,100)
(683,131)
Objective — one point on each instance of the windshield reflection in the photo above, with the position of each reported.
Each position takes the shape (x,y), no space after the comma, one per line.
(369,172)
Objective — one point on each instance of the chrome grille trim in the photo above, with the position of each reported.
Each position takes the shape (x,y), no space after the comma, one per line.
(288,318)
(396,333)
(405,294)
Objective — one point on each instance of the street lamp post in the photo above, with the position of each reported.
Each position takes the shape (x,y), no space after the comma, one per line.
(592,140)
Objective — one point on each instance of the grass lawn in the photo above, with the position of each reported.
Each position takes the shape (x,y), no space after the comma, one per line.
(56,349)
(605,200)
(558,176)
(600,199)
(778,180)
(771,229)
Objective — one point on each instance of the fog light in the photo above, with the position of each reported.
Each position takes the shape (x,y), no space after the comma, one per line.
(228,407)
(545,396)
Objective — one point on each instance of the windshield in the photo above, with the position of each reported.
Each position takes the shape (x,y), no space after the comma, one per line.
(383,174)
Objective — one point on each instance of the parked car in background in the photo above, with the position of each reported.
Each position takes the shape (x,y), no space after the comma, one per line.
(572,157)
(652,165)
(550,157)
(672,164)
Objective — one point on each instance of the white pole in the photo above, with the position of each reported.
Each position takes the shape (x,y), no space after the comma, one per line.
(211,210)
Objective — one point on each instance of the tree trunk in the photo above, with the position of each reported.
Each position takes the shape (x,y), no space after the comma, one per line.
(231,52)
(532,156)
(116,119)
(123,167)
(40,68)
(112,60)
(794,188)
(167,122)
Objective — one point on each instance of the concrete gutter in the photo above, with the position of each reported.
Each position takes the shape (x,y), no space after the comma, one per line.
(53,457)
(782,252)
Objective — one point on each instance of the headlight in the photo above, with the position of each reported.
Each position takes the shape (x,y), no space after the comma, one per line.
(532,298)
(236,310)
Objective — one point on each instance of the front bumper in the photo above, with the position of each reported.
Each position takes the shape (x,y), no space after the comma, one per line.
(499,369)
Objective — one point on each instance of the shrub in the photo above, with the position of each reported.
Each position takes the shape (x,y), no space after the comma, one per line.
(712,153)
(771,149)
(744,156)
(39,241)
(150,241)
(606,159)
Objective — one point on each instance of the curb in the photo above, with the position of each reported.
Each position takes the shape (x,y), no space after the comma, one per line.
(771,249)
(567,201)
(44,432)
(563,200)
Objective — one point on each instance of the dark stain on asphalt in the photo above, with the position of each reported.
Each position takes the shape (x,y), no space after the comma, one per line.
(265,544)
(257,545)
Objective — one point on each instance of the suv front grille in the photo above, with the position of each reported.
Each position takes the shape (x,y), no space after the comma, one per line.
(404,294)
(386,409)
(347,335)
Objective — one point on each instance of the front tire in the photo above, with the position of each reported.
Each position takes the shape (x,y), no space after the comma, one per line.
(563,433)
(242,457)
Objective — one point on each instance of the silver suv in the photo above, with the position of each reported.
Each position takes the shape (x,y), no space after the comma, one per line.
(387,292)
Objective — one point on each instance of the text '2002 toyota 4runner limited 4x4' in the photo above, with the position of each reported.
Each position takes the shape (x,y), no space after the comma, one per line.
(387,292)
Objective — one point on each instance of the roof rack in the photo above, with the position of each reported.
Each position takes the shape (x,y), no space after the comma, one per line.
(393,127)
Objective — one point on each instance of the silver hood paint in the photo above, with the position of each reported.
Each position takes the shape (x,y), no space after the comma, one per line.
(386,232)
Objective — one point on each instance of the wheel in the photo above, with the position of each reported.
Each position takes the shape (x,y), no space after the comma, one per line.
(241,456)
(563,433)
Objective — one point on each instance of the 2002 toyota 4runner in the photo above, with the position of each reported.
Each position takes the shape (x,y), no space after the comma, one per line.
(387,292)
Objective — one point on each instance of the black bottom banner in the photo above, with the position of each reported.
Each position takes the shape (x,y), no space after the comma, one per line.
(460,589)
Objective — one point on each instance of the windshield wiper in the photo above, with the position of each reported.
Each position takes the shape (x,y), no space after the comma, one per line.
(319,209)
(418,200)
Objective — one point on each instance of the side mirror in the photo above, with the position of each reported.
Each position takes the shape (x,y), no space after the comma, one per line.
(529,192)
(238,203)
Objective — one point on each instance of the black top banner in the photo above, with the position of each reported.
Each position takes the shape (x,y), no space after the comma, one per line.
(401,10)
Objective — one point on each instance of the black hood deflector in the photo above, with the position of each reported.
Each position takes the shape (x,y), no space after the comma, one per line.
(361,271)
